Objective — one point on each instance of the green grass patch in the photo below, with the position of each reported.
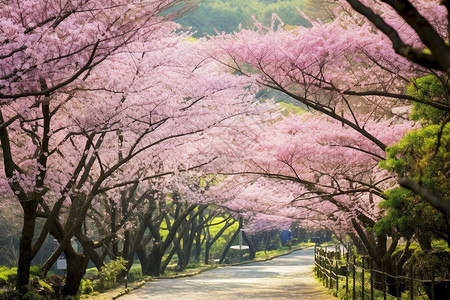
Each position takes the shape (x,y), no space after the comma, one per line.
(263,255)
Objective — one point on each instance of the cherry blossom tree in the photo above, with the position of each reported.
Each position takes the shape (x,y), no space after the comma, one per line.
(421,29)
(312,171)
(345,69)
(47,46)
(349,71)
(431,33)
(152,102)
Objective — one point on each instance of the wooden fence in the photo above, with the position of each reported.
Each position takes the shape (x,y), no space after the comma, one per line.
(355,277)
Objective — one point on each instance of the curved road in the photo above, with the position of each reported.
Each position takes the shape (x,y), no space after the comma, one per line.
(285,277)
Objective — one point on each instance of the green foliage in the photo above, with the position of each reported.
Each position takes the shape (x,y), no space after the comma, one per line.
(226,15)
(414,247)
(134,274)
(216,225)
(86,286)
(428,88)
(108,277)
(8,277)
(422,155)
(409,215)
(32,295)
(38,288)
(109,274)
(35,271)
(440,245)
(45,286)
(218,247)
(430,263)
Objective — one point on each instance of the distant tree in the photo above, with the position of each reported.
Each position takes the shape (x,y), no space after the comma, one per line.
(227,15)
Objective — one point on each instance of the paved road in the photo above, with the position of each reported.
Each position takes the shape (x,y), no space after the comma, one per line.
(285,277)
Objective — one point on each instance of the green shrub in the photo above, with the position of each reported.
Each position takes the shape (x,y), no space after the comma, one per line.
(32,295)
(3,281)
(108,276)
(134,275)
(45,287)
(35,271)
(8,277)
(87,286)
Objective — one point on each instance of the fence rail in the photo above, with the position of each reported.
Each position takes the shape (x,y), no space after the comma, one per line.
(355,277)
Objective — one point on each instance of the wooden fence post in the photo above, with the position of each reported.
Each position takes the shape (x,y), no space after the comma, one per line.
(324,273)
(326,266)
(371,279)
(337,276)
(354,277)
(337,256)
(411,283)
(397,288)
(330,270)
(346,271)
(316,261)
(362,278)
(384,279)
(433,296)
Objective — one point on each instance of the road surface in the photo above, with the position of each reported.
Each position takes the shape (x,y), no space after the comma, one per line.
(285,277)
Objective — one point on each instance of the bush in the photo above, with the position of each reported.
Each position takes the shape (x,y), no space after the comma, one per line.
(37,288)
(57,284)
(108,277)
(109,274)
(87,286)
(32,295)
(10,295)
(35,271)
(8,277)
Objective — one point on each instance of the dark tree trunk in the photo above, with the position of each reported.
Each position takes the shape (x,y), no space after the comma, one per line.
(189,236)
(198,238)
(153,267)
(76,268)
(207,247)
(251,248)
(126,244)
(198,245)
(140,252)
(230,242)
(26,252)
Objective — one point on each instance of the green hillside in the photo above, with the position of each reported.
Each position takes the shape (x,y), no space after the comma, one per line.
(226,15)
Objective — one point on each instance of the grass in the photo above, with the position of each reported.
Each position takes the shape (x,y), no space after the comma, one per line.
(264,255)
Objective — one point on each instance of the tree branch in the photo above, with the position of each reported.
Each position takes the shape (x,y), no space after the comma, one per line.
(58,86)
(407,51)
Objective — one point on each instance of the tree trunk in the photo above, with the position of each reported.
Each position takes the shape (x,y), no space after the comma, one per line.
(153,267)
(198,238)
(207,247)
(230,242)
(140,252)
(76,268)
(26,253)
(251,248)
